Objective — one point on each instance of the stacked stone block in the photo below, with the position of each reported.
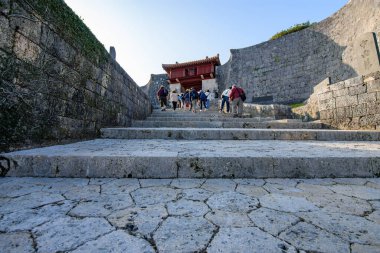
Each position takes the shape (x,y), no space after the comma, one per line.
(352,104)
(51,89)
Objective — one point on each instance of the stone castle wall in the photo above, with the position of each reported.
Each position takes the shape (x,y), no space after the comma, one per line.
(351,104)
(54,85)
(286,70)
(152,87)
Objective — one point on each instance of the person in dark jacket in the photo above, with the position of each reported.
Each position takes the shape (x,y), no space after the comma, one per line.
(162,96)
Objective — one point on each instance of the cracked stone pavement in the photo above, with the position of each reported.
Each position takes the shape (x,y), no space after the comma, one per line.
(189,215)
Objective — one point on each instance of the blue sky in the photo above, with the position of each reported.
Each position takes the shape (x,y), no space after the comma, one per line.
(148,33)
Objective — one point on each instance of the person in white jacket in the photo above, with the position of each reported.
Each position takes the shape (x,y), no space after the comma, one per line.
(225,99)
(174,99)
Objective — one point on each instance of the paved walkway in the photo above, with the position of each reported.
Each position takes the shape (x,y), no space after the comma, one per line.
(189,215)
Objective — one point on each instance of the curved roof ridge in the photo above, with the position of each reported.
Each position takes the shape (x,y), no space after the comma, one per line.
(214,59)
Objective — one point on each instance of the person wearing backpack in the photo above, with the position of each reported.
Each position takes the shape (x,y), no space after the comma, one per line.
(162,96)
(236,95)
(194,99)
(202,99)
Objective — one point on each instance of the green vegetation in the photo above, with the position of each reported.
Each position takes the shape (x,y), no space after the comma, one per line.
(295,105)
(295,28)
(70,27)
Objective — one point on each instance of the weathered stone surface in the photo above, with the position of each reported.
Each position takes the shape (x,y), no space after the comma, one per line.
(278,188)
(185,183)
(196,159)
(63,185)
(249,182)
(183,234)
(248,239)
(29,201)
(187,208)
(26,49)
(27,219)
(232,202)
(68,233)
(16,189)
(117,241)
(196,194)
(252,191)
(229,219)
(102,206)
(358,248)
(313,189)
(340,203)
(6,38)
(366,54)
(142,220)
(349,227)
(287,203)
(154,195)
(88,192)
(21,242)
(218,185)
(272,221)
(356,191)
(375,216)
(154,182)
(121,186)
(310,238)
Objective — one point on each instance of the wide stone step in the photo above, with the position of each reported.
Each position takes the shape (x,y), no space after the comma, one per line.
(239,134)
(197,159)
(213,118)
(227,124)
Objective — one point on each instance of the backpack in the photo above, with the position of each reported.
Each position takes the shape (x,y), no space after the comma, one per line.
(163,92)
(242,94)
(203,96)
(194,95)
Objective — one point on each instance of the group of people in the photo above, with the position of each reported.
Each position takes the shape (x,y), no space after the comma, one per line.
(189,100)
(232,98)
(192,99)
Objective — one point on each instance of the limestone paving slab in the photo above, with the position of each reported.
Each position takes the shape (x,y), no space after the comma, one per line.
(363,232)
(199,159)
(229,219)
(232,202)
(184,234)
(20,242)
(68,233)
(139,220)
(115,242)
(272,221)
(168,217)
(196,194)
(287,203)
(27,219)
(187,208)
(102,206)
(340,203)
(154,195)
(33,200)
(357,191)
(247,239)
(313,239)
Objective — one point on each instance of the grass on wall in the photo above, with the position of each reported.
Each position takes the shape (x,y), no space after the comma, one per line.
(295,28)
(71,27)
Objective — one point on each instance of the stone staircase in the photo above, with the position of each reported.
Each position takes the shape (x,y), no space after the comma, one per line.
(179,144)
